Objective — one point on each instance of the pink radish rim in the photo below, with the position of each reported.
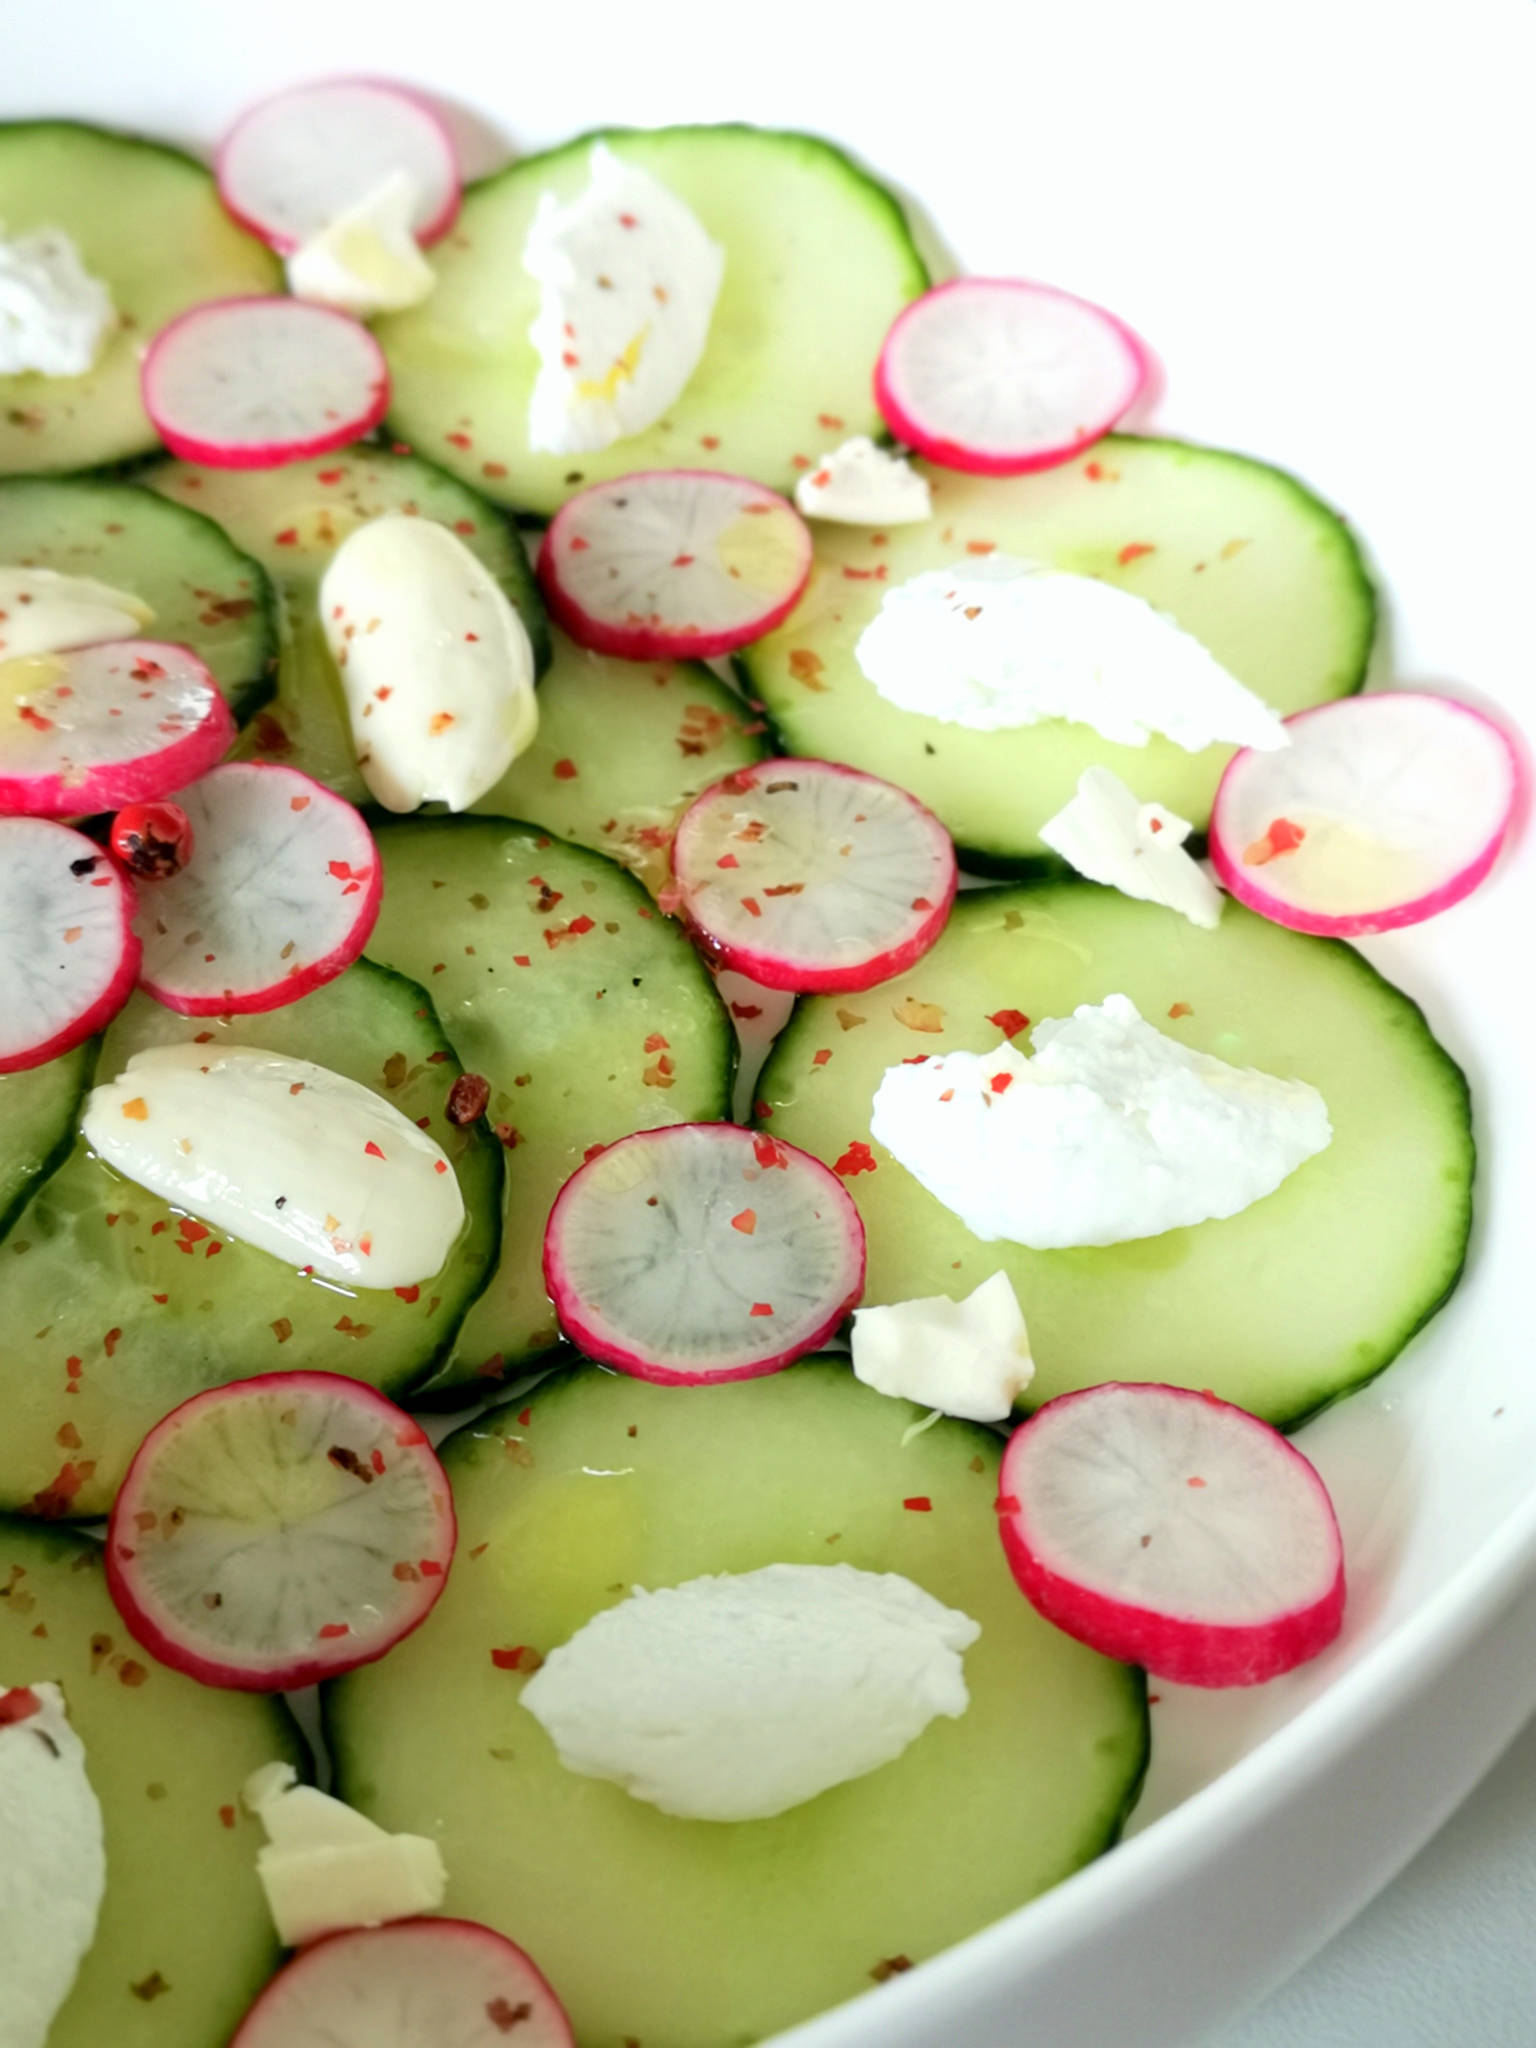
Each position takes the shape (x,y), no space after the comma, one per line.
(285,245)
(245,2037)
(596,1346)
(1239,882)
(951,454)
(97,1015)
(648,643)
(143,779)
(768,969)
(278,994)
(170,1649)
(261,454)
(1207,1654)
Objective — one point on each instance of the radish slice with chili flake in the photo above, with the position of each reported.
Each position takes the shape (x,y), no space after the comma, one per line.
(999,376)
(68,954)
(809,876)
(122,722)
(279,895)
(702,1252)
(295,162)
(1169,1529)
(412,1984)
(253,383)
(1382,811)
(280,1530)
(671,563)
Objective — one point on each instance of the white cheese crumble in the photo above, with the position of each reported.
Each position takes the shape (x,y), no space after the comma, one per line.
(967,1357)
(1111,1131)
(1109,835)
(739,1696)
(435,664)
(999,642)
(862,485)
(44,612)
(628,281)
(53,1864)
(367,260)
(54,316)
(302,1162)
(326,1866)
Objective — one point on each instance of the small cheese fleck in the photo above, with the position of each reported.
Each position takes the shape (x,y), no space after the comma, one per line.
(968,1358)
(1110,836)
(325,1866)
(860,484)
(54,315)
(367,260)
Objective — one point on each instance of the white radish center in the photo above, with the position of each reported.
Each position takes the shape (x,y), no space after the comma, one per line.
(699,1248)
(122,701)
(679,553)
(263,373)
(1005,370)
(61,933)
(1173,1504)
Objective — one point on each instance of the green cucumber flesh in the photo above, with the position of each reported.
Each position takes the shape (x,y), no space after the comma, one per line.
(1237,553)
(602,1484)
(623,748)
(203,591)
(38,1111)
(1280,1309)
(185,1939)
(584,1035)
(819,260)
(81,1267)
(148,222)
(292,520)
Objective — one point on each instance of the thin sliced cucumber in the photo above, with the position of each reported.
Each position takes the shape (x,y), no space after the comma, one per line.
(107,1323)
(38,1109)
(587,1011)
(819,259)
(603,1484)
(1240,555)
(292,520)
(623,749)
(148,222)
(202,591)
(1280,1309)
(185,1940)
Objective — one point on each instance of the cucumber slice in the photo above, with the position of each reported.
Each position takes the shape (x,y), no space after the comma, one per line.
(610,1484)
(623,748)
(87,1348)
(185,1939)
(819,259)
(292,520)
(1240,555)
(204,593)
(37,1123)
(587,1011)
(1281,1309)
(148,222)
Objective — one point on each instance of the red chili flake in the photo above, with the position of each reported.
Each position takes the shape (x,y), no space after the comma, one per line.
(1094,471)
(132,1672)
(458,441)
(507,1135)
(504,2016)
(521,960)
(1133,551)
(592,1152)
(1180,1010)
(857,1159)
(1195,1482)
(806,667)
(682,561)
(190,1230)
(751,905)
(109,1342)
(19,1704)
(227,1816)
(786,889)
(918,1504)
(1007,1503)
(745,1221)
(525,1416)
(329,1631)
(768,1152)
(1001,1083)
(328,476)
(727,860)
(709,440)
(465,526)
(819,1059)
(1009,1022)
(921,903)
(565,771)
(372,1151)
(1282,837)
(288,538)
(35,719)
(74,1367)
(430,1568)
(578,545)
(799,462)
(762,1111)
(746,1010)
(271,737)
(467,1099)
(519,1657)
(980,547)
(762,1308)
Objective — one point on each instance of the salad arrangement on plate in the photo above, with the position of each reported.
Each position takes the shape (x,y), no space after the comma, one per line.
(476,669)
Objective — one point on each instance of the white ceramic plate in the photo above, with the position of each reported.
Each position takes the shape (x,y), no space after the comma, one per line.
(1318,215)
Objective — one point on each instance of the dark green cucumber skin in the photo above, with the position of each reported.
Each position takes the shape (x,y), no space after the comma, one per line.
(85,1057)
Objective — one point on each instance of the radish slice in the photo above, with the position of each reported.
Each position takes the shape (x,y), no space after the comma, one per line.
(68,955)
(999,377)
(413,1984)
(293,163)
(809,876)
(702,1252)
(673,563)
(1169,1529)
(280,1530)
(280,894)
(1382,811)
(118,723)
(253,383)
